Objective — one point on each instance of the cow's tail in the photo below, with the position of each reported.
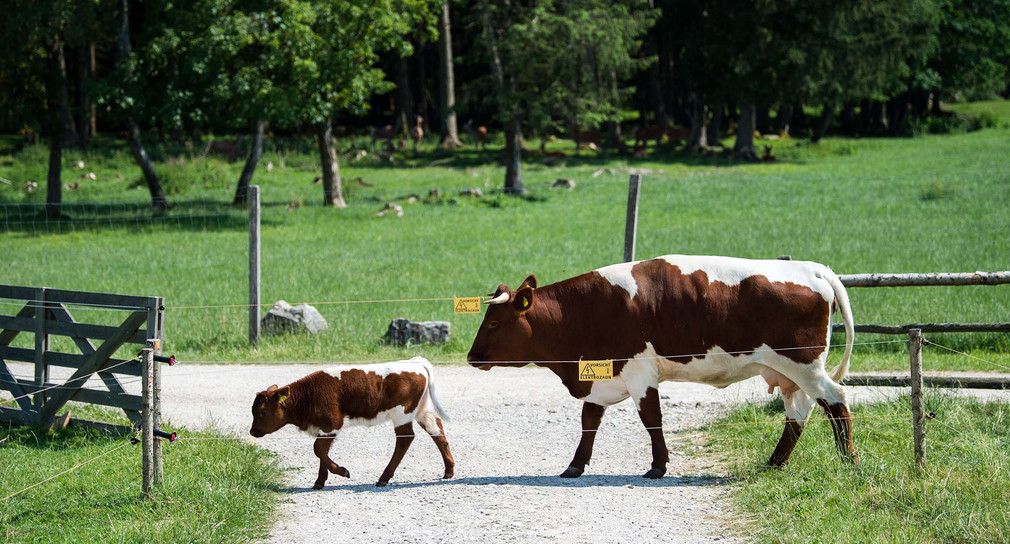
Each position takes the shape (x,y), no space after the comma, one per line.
(842,300)
(431,393)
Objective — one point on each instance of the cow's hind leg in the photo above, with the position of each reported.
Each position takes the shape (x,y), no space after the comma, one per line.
(433,426)
(652,417)
(592,414)
(321,447)
(404,436)
(841,426)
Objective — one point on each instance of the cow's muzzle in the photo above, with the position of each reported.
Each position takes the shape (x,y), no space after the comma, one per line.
(257,433)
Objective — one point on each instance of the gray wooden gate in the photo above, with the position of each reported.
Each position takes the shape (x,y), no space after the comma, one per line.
(45,313)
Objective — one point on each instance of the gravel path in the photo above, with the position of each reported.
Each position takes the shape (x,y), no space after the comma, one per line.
(513,431)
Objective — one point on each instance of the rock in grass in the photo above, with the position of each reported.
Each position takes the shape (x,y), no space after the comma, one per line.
(402,332)
(284,318)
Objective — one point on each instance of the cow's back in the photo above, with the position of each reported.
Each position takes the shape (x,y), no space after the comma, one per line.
(685,306)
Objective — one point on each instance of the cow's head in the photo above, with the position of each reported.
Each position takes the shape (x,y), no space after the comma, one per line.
(505,333)
(268,411)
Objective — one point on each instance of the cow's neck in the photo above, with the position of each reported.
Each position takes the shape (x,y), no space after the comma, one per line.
(550,334)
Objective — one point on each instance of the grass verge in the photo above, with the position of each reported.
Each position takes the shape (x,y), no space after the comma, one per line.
(214,490)
(961,496)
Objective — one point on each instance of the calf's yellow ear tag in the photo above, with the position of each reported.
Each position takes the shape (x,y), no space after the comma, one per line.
(281,399)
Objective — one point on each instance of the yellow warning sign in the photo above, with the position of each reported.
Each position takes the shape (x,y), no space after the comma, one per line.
(466,305)
(596,371)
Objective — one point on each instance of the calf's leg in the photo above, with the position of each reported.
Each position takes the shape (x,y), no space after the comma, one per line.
(592,414)
(404,436)
(433,426)
(652,417)
(321,447)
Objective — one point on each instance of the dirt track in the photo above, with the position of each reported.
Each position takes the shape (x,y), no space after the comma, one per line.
(513,431)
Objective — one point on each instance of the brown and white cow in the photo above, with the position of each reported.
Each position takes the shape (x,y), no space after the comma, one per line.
(326,401)
(713,320)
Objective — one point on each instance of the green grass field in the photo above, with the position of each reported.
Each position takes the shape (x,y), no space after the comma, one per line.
(214,490)
(959,497)
(929,204)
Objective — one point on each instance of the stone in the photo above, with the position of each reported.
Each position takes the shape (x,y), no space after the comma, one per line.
(564,183)
(285,318)
(402,332)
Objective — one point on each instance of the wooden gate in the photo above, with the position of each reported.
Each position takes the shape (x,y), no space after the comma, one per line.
(46,313)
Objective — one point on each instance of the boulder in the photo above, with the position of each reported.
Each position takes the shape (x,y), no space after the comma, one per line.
(285,318)
(404,331)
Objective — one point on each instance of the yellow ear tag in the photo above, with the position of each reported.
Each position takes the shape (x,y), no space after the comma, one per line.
(281,399)
(526,302)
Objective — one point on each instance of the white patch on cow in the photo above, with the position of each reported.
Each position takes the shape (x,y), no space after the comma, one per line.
(732,271)
(619,275)
(418,365)
(720,369)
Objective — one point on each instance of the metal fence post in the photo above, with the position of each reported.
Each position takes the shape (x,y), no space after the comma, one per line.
(254,264)
(631,222)
(918,408)
(147,419)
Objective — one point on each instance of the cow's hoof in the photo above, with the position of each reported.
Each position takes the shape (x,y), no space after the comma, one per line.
(317,486)
(654,473)
(380,483)
(572,472)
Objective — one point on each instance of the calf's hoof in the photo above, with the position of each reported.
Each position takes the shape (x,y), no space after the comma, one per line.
(448,474)
(572,472)
(380,483)
(317,486)
(341,471)
(655,473)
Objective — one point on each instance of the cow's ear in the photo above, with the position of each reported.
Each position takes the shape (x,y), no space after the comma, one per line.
(523,299)
(530,281)
(282,395)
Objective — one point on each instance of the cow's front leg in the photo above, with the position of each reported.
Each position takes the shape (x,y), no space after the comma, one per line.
(652,417)
(321,447)
(592,414)
(404,436)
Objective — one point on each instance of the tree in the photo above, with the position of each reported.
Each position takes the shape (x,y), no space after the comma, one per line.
(446,82)
(557,59)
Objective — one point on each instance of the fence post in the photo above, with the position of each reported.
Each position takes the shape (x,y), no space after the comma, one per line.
(147,418)
(631,222)
(918,408)
(254,264)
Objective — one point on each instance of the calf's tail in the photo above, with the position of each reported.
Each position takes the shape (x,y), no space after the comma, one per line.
(431,394)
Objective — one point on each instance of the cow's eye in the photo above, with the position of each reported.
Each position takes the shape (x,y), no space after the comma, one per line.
(492,325)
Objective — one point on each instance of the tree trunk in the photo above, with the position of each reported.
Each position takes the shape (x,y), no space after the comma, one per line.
(699,121)
(56,97)
(93,71)
(158,199)
(715,127)
(827,114)
(513,158)
(84,109)
(404,99)
(447,88)
(615,140)
(898,109)
(332,196)
(783,119)
(255,152)
(744,146)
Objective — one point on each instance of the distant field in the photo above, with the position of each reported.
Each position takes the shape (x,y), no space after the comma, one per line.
(928,204)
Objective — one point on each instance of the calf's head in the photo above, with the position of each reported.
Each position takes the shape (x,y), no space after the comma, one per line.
(268,411)
(503,338)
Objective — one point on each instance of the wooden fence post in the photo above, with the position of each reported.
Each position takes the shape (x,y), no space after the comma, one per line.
(254,264)
(631,222)
(918,408)
(147,419)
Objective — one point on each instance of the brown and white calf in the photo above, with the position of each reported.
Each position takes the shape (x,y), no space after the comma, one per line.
(326,401)
(713,320)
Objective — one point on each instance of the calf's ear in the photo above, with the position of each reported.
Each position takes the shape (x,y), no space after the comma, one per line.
(282,395)
(523,299)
